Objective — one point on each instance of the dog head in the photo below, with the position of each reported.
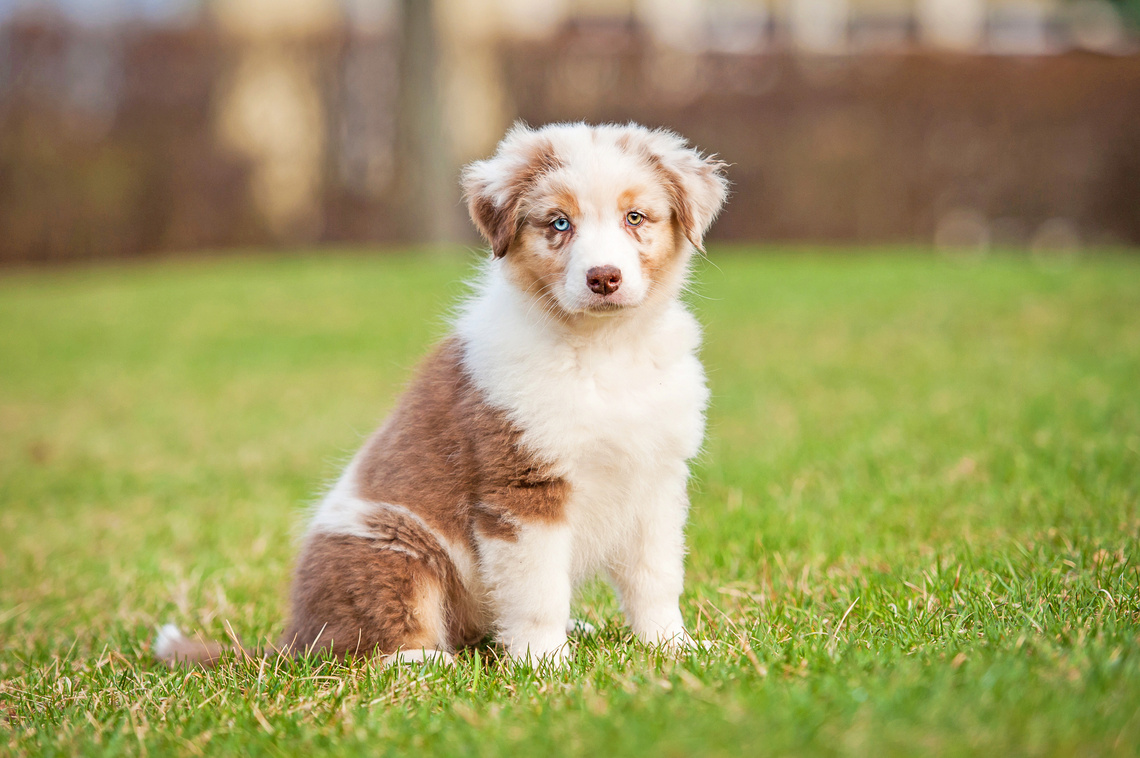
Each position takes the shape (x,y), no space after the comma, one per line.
(595,220)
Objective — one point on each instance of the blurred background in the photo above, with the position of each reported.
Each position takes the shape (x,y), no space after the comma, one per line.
(135,127)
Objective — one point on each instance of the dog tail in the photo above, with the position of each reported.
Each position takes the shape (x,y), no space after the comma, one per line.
(175,649)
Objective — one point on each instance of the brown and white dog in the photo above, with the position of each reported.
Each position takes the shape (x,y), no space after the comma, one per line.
(548,438)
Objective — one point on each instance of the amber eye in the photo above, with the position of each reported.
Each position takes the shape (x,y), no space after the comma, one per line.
(633,218)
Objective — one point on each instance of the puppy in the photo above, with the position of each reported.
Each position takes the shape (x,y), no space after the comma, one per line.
(547,438)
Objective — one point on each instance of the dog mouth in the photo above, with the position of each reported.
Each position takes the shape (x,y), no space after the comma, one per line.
(597,305)
(602,307)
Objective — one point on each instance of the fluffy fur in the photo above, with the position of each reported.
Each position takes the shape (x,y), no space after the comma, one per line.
(544,441)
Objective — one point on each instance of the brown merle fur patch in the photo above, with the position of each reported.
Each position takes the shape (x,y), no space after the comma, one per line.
(537,262)
(358,596)
(499,223)
(455,461)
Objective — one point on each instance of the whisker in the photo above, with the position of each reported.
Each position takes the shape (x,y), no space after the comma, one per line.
(540,300)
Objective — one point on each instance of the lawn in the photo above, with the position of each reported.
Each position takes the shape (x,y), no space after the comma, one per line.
(915,525)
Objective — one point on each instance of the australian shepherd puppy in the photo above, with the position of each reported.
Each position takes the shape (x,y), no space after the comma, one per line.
(547,439)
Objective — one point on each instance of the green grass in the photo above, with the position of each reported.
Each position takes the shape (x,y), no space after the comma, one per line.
(915,526)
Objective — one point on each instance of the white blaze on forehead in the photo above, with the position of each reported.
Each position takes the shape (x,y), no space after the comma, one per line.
(599,169)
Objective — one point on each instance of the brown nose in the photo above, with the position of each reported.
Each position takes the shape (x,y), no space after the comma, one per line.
(604,279)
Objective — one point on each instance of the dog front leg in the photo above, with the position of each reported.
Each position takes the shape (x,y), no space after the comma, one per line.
(649,575)
(529,579)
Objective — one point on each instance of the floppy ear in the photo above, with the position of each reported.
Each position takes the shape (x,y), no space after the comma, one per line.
(495,187)
(696,183)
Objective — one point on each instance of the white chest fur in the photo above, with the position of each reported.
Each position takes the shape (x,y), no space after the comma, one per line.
(617,412)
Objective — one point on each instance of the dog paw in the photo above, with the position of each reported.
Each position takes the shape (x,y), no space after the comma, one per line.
(679,642)
(425,657)
(554,659)
(579,628)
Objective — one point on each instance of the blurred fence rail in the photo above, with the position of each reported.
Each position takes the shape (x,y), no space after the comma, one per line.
(127,140)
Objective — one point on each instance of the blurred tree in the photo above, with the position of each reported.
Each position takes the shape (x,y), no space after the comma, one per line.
(422,155)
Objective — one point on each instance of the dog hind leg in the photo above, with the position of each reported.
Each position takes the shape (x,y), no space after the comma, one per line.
(358,596)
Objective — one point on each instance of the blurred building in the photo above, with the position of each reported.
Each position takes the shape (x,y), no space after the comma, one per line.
(131,126)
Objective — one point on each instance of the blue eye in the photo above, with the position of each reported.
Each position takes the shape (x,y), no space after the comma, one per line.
(561,224)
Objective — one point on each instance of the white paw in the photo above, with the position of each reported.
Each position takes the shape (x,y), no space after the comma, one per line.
(677,642)
(555,658)
(422,656)
(579,628)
